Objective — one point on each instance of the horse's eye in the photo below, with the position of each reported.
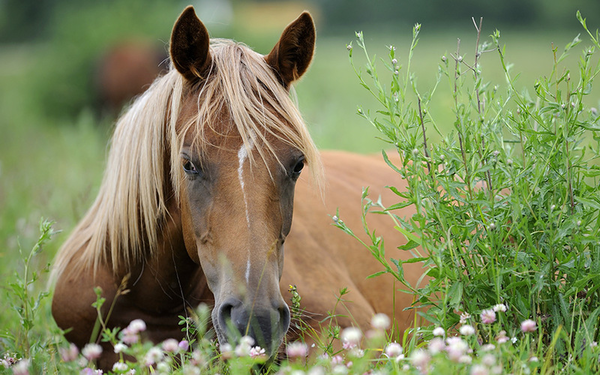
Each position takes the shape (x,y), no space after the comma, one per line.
(298,168)
(189,167)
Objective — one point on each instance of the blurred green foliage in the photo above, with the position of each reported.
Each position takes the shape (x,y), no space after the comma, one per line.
(28,20)
(70,36)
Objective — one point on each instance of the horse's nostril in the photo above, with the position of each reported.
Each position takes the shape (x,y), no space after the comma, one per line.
(266,326)
(284,319)
(229,318)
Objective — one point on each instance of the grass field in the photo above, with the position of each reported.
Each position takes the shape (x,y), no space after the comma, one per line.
(52,168)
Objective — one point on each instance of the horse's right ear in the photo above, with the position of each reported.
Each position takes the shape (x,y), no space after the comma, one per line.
(293,53)
(190,46)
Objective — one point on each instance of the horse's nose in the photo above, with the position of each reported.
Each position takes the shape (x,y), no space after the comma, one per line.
(266,326)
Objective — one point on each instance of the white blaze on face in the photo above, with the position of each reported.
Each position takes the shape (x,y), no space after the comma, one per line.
(242,156)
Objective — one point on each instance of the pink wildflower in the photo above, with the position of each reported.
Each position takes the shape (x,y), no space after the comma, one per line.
(528,325)
(488,360)
(69,354)
(456,348)
(420,359)
(244,347)
(90,371)
(120,347)
(137,326)
(184,345)
(351,337)
(297,350)
(479,370)
(488,316)
(226,351)
(120,367)
(439,331)
(467,330)
(198,358)
(257,352)
(92,351)
(436,345)
(153,356)
(393,350)
(21,367)
(501,338)
(170,346)
(380,321)
(336,360)
(129,337)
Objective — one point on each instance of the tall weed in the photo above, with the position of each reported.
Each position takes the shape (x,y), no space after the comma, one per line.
(507,201)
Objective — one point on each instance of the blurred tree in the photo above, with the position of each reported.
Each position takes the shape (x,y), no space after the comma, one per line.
(444,13)
(24,20)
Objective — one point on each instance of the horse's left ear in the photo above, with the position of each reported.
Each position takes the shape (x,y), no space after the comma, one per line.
(293,53)
(189,47)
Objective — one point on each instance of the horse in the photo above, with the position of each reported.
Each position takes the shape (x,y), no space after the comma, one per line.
(124,71)
(203,180)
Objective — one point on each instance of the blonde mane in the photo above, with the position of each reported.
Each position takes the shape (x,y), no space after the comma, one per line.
(123,225)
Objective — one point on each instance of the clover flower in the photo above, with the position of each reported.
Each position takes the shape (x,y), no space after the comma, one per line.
(479,370)
(501,338)
(170,346)
(226,351)
(464,317)
(297,350)
(92,351)
(380,321)
(69,354)
(420,359)
(467,330)
(153,356)
(456,348)
(436,346)
(257,352)
(21,367)
(136,326)
(184,345)
(528,325)
(351,337)
(439,331)
(120,367)
(488,316)
(120,347)
(393,350)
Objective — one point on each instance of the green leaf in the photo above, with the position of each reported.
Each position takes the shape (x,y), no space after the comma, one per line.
(376,274)
(455,293)
(409,245)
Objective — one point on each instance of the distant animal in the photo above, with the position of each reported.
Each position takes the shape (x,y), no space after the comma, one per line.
(124,71)
(196,205)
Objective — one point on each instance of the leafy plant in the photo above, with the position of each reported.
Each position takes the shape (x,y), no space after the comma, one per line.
(506,204)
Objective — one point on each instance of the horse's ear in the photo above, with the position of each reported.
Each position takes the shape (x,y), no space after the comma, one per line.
(190,45)
(293,53)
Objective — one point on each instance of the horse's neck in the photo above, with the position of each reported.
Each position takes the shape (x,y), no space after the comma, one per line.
(169,280)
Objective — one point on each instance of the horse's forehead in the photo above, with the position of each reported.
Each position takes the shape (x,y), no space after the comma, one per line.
(220,136)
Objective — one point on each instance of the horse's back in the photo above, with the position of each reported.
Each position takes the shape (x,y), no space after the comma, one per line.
(321,259)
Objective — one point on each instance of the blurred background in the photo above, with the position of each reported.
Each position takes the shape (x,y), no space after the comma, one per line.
(68,66)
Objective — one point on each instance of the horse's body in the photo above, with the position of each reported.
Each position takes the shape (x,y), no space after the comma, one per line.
(197,201)
(124,71)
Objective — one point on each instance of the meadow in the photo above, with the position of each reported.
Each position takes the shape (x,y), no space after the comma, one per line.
(51,166)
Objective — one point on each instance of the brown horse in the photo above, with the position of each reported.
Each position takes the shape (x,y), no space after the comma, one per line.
(197,200)
(124,71)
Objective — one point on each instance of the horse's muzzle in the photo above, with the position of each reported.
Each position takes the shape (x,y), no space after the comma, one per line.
(267,326)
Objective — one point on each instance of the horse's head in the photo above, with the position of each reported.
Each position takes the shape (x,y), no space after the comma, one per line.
(242,148)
